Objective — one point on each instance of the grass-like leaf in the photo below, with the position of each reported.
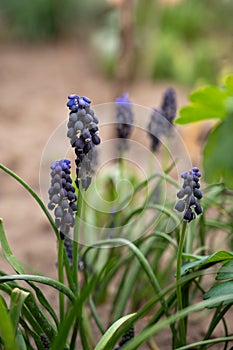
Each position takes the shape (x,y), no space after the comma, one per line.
(34,195)
(148,333)
(40,279)
(7,331)
(18,297)
(103,343)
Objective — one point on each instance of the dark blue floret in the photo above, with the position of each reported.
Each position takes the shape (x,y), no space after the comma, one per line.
(189,194)
(83,133)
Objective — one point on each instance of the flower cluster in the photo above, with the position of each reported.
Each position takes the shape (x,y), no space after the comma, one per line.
(161,120)
(189,195)
(62,196)
(84,135)
(126,337)
(124,119)
(45,341)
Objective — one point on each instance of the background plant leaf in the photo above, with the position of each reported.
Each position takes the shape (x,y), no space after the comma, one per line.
(217,157)
(220,290)
(206,103)
(207,260)
(229,84)
(226,271)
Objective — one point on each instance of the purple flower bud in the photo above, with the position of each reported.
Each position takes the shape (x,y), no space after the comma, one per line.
(180,205)
(197,193)
(96,139)
(198,209)
(188,216)
(181,193)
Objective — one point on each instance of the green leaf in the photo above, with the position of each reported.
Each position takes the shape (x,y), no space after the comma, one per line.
(196,113)
(226,271)
(19,269)
(103,343)
(7,251)
(222,289)
(218,160)
(20,340)
(206,103)
(18,298)
(147,333)
(217,257)
(6,327)
(40,279)
(229,84)
(210,96)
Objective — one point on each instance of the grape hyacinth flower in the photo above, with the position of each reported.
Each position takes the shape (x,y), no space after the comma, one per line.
(161,120)
(126,337)
(169,106)
(124,119)
(62,196)
(189,195)
(83,133)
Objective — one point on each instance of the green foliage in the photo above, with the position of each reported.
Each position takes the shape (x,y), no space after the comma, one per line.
(187,19)
(135,260)
(47,19)
(184,41)
(212,102)
(6,327)
(151,270)
(106,339)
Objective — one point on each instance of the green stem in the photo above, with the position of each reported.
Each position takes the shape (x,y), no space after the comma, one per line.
(68,272)
(218,316)
(75,240)
(74,335)
(61,275)
(179,287)
(95,316)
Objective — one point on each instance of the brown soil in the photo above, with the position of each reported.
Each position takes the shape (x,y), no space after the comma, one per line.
(34,84)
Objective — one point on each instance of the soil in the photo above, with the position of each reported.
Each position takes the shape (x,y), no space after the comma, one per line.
(34,84)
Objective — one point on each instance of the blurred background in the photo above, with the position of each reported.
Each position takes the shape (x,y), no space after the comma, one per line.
(49,49)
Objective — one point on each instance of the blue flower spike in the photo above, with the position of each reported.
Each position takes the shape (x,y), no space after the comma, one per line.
(83,133)
(161,119)
(124,119)
(189,195)
(62,196)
